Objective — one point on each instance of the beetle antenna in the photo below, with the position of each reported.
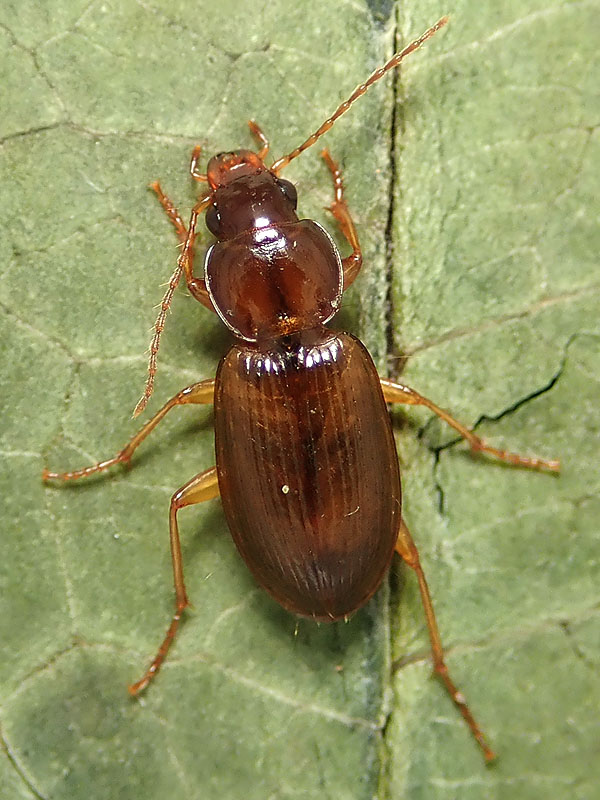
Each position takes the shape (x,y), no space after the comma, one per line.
(186,237)
(360,90)
(159,326)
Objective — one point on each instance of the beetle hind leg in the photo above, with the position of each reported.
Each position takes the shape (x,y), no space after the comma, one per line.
(407,549)
(203,486)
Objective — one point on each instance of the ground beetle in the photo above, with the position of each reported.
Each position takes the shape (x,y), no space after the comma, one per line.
(306,463)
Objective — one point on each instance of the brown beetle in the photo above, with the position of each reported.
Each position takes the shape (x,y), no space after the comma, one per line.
(306,462)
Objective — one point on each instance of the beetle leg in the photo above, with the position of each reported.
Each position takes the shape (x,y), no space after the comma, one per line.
(398,393)
(201,177)
(200,393)
(352,263)
(257,132)
(203,486)
(196,286)
(170,210)
(406,548)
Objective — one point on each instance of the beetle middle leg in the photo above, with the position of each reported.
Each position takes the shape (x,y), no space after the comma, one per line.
(398,393)
(352,263)
(407,549)
(203,486)
(201,393)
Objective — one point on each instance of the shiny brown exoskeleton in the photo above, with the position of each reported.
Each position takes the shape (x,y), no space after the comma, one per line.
(306,463)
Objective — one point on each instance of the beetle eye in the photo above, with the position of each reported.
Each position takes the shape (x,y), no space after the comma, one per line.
(289,190)
(213,221)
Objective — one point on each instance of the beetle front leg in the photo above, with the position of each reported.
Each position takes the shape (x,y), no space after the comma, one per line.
(257,132)
(196,286)
(201,393)
(201,177)
(407,549)
(398,393)
(203,486)
(352,263)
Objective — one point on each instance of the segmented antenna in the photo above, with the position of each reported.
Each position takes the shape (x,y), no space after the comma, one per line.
(360,90)
(186,236)
(159,326)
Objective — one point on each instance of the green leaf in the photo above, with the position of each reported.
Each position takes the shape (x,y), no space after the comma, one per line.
(486,277)
(495,301)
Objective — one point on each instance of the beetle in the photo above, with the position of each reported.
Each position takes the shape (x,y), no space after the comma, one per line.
(306,464)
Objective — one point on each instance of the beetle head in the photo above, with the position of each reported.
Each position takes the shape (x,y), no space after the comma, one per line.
(227,167)
(246,195)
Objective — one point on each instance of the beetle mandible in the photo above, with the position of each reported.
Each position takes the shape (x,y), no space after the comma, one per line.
(306,465)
